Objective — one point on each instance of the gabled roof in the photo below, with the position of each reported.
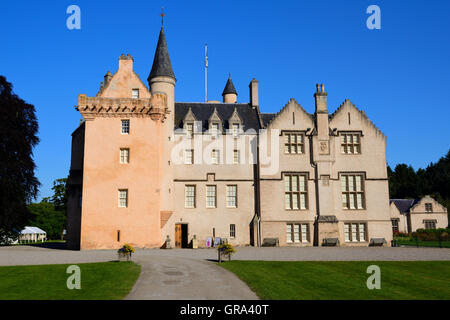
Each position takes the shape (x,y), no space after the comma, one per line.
(363,114)
(267,117)
(404,205)
(229,87)
(203,112)
(161,62)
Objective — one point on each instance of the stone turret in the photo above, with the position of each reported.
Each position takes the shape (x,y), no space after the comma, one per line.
(229,93)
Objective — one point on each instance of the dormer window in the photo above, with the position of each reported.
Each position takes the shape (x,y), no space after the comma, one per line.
(135,94)
(190,130)
(235,129)
(215,129)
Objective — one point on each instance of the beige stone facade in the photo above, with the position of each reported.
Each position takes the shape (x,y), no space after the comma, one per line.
(145,168)
(410,215)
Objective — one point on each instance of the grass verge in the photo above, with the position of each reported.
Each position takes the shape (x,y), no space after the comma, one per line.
(344,280)
(99,281)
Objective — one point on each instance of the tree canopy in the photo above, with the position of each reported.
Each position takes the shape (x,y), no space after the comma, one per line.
(18,137)
(405,182)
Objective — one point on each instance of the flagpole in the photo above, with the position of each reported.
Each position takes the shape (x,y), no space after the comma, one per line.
(206,73)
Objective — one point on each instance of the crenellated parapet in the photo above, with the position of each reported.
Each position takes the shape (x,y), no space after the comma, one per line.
(154,107)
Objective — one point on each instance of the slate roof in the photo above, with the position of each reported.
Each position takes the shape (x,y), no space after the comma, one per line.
(161,62)
(404,205)
(267,117)
(203,111)
(229,87)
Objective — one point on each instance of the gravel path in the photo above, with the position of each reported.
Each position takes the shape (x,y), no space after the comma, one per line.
(28,255)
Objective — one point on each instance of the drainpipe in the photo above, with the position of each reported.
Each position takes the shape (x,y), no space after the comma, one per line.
(316,183)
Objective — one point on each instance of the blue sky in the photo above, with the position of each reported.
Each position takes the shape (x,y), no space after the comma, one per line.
(399,75)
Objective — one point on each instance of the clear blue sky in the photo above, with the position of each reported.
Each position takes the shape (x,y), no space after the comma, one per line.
(399,75)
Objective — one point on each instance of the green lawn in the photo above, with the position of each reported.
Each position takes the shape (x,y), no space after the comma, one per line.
(408,242)
(107,280)
(346,280)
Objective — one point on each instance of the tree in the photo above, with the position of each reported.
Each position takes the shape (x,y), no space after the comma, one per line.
(59,198)
(18,184)
(45,216)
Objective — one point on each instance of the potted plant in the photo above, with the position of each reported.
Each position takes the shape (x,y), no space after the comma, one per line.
(226,249)
(125,252)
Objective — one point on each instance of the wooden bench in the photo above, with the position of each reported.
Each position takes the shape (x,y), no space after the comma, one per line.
(330,242)
(271,242)
(377,242)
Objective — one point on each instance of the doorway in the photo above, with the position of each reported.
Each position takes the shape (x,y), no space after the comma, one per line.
(181,235)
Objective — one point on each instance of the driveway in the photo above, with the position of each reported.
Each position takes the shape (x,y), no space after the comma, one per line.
(175,278)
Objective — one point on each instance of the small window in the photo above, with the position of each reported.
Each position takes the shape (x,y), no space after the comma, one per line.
(428,207)
(189,156)
(235,127)
(350,143)
(293,143)
(123,198)
(118,235)
(211,196)
(125,126)
(215,129)
(232,231)
(297,232)
(236,157)
(135,93)
(430,224)
(125,155)
(215,156)
(355,232)
(394,225)
(190,129)
(189,197)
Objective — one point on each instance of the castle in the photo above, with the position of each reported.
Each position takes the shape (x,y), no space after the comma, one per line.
(145,168)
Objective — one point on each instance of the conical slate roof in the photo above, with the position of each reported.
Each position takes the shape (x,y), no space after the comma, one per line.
(229,87)
(161,62)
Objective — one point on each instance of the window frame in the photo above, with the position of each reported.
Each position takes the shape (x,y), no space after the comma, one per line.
(194,196)
(358,231)
(232,230)
(345,146)
(208,197)
(428,207)
(291,193)
(191,152)
(348,193)
(292,232)
(120,198)
(133,93)
(229,186)
(125,129)
(288,144)
(122,157)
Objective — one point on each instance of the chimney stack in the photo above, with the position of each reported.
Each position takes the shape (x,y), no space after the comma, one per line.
(126,62)
(108,77)
(321,99)
(254,100)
